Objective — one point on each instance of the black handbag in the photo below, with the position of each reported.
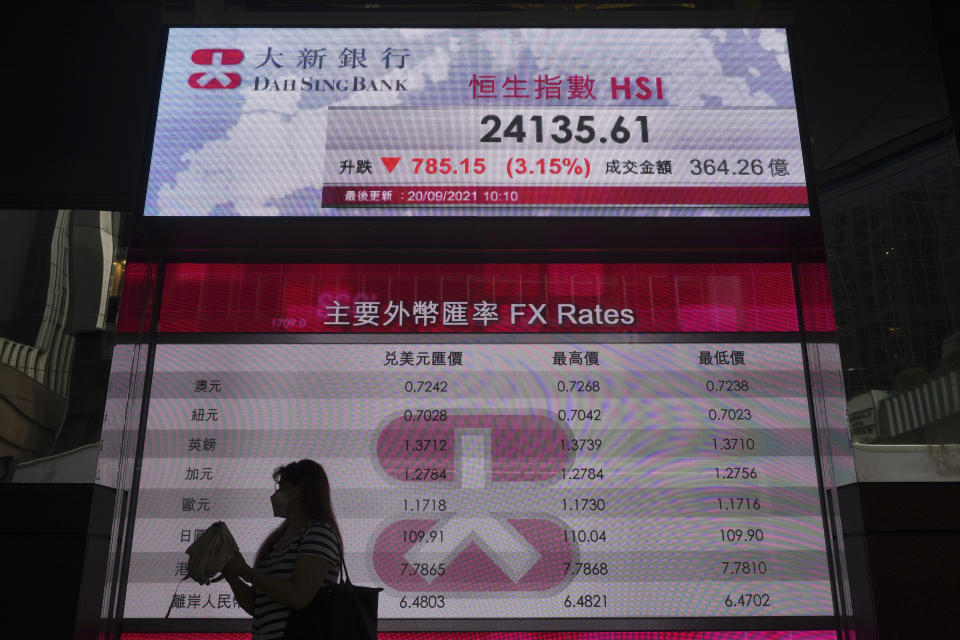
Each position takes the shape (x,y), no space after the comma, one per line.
(343,611)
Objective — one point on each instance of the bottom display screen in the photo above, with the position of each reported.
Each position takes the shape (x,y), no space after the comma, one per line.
(528,451)
(534,635)
(498,479)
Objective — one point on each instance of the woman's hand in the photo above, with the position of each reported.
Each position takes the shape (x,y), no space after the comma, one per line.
(237,567)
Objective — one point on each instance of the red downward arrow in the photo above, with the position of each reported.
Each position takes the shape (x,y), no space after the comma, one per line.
(390,163)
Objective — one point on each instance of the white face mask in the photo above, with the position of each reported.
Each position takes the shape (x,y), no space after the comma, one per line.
(279,502)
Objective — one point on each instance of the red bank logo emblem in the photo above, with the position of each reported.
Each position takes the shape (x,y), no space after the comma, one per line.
(216,78)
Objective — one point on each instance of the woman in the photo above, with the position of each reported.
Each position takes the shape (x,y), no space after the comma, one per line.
(297,559)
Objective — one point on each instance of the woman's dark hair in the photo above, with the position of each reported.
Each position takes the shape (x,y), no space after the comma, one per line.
(311,479)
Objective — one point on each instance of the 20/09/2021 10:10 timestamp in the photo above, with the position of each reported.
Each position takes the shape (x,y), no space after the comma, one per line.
(468,195)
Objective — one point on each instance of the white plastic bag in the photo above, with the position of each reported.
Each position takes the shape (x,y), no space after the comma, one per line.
(210,553)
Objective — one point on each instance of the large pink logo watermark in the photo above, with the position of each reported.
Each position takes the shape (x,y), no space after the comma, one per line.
(470,543)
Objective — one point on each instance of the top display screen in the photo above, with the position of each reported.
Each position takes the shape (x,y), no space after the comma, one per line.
(477,122)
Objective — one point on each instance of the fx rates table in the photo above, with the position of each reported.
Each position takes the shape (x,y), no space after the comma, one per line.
(547,477)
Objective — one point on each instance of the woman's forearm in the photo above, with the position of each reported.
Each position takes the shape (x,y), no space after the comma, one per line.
(243,593)
(283,591)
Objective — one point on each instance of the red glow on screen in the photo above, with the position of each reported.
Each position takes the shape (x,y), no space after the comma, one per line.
(815,297)
(589,196)
(301,298)
(135,298)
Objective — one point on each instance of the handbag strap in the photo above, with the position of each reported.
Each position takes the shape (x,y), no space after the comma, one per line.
(343,573)
(343,564)
(175,591)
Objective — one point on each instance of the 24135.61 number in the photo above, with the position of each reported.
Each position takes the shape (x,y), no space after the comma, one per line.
(560,130)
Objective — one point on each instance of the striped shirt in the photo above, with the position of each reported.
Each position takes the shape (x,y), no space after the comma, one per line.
(317,538)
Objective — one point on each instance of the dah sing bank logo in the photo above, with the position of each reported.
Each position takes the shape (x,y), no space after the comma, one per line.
(216,77)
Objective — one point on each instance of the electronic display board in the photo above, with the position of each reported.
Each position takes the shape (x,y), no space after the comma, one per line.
(477,122)
(536,447)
